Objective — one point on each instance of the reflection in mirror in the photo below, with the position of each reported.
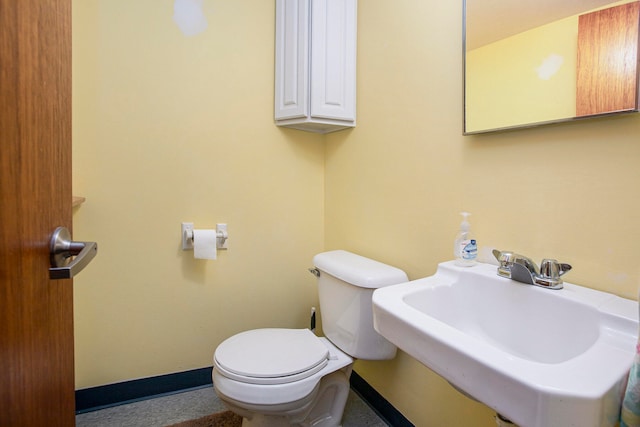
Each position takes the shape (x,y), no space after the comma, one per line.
(532,63)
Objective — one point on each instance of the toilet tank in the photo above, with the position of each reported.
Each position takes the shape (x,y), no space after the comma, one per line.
(345,287)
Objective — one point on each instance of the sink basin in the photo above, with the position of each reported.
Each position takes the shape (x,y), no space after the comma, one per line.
(540,357)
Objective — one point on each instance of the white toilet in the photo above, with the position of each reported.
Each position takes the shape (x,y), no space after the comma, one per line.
(291,377)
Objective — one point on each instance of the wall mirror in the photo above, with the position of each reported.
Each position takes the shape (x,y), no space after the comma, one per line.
(548,61)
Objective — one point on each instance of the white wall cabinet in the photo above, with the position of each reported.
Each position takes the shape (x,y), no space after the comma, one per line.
(315,64)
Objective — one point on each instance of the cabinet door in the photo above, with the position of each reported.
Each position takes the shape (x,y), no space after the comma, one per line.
(607,77)
(292,63)
(333,59)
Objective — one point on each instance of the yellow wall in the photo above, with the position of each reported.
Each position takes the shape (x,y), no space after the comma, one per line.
(154,111)
(169,128)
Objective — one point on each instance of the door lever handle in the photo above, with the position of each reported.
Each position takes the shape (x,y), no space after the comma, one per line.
(61,248)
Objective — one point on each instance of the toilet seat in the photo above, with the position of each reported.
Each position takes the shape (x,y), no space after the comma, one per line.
(271,356)
(246,391)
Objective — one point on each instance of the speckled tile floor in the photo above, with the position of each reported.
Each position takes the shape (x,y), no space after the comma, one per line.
(162,411)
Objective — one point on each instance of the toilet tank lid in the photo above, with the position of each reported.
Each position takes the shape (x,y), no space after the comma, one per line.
(358,270)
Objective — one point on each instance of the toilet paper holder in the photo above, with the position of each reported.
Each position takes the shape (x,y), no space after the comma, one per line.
(187,236)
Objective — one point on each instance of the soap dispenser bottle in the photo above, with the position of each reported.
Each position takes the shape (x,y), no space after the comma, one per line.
(465,248)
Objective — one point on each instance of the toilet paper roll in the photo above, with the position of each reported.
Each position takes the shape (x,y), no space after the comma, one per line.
(204,244)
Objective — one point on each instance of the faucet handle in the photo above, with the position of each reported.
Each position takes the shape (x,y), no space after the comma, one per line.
(506,260)
(552,269)
(504,257)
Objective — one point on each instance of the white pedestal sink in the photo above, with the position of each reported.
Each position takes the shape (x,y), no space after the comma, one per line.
(540,357)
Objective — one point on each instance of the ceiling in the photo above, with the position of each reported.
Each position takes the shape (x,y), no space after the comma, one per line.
(492,20)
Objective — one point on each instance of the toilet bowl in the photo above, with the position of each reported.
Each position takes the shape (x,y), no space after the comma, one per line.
(291,377)
(283,377)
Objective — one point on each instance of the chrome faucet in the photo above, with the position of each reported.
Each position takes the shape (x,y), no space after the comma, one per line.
(520,268)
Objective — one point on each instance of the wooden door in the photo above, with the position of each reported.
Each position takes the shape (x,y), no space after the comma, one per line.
(607,75)
(36,314)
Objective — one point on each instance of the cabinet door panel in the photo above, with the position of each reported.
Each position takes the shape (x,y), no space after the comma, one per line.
(292,51)
(333,59)
(607,77)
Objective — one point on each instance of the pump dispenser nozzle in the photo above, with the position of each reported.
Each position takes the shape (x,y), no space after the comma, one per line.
(464,225)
